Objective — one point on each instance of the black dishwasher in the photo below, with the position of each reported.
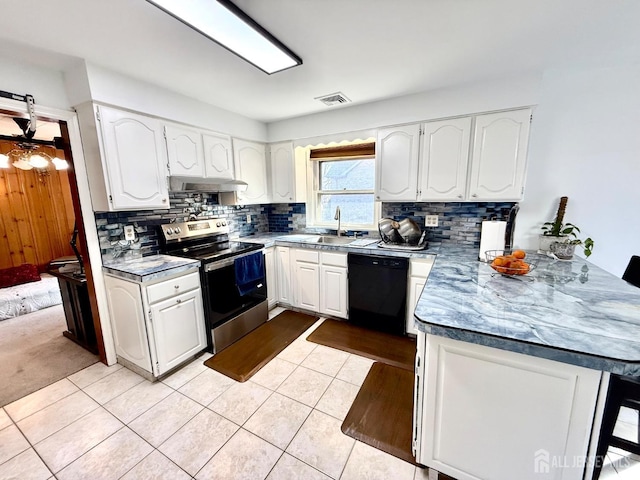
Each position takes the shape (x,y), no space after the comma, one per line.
(378,292)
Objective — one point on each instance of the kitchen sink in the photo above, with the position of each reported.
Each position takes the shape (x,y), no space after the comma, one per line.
(329,239)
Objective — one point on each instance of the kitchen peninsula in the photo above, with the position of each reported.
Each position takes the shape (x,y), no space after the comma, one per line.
(511,373)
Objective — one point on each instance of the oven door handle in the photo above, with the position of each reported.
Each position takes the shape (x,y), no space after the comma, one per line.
(209,267)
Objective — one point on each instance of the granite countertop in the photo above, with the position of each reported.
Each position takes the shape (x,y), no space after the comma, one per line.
(150,268)
(570,311)
(366,245)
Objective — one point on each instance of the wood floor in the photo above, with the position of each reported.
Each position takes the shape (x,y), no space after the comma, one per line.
(382,347)
(244,358)
(382,413)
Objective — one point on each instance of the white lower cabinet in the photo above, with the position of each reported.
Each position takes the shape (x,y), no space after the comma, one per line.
(319,281)
(333,284)
(270,270)
(485,413)
(283,275)
(418,273)
(306,279)
(157,326)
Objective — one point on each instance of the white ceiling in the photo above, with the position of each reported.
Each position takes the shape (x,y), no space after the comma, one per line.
(367,49)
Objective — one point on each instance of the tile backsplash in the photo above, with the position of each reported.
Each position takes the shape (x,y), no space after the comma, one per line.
(184,206)
(457,222)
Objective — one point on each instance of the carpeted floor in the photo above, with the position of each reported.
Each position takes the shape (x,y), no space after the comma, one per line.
(34,354)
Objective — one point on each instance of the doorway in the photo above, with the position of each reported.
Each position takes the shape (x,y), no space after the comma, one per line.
(39,209)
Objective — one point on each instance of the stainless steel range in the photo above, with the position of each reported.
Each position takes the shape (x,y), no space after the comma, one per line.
(232,309)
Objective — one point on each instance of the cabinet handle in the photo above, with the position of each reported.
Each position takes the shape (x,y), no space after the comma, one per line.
(164,200)
(178,301)
(176,286)
(460,196)
(474,195)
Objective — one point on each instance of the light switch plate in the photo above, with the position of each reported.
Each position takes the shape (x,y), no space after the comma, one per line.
(129,233)
(431,221)
(248,218)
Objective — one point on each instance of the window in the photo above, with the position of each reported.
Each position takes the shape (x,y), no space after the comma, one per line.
(343,177)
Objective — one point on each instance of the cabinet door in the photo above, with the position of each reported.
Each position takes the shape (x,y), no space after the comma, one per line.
(486,397)
(251,167)
(307,285)
(283,274)
(128,321)
(397,163)
(185,152)
(282,172)
(444,157)
(499,156)
(333,291)
(270,268)
(218,158)
(178,329)
(135,158)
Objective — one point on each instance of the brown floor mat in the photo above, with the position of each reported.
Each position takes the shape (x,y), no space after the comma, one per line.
(244,358)
(382,347)
(382,413)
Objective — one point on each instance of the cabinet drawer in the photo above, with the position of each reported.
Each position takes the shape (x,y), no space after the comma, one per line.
(334,259)
(307,256)
(421,268)
(175,286)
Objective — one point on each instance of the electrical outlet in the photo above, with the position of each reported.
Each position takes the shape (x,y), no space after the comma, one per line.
(248,218)
(129,233)
(431,221)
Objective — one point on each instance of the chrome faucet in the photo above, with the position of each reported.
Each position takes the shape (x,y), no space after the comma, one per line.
(337,217)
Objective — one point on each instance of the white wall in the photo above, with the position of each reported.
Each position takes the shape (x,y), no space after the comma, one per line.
(46,85)
(450,102)
(113,88)
(585,144)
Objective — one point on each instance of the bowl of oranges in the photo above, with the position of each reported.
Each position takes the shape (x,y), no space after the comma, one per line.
(510,262)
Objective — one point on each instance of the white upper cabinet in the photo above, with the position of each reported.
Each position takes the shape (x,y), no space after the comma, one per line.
(251,167)
(218,156)
(184,148)
(451,165)
(282,166)
(135,159)
(444,159)
(397,163)
(499,156)
(198,153)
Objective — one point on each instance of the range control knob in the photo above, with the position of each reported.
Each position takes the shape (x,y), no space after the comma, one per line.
(224,224)
(169,231)
(218,224)
(177,230)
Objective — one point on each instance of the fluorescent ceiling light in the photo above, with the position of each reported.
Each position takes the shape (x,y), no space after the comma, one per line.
(227,25)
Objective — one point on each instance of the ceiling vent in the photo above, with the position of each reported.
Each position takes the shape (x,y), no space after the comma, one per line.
(333,99)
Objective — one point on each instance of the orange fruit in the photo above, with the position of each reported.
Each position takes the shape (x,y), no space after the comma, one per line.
(498,261)
(520,254)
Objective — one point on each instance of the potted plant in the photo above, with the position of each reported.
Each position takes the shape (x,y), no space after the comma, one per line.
(561,238)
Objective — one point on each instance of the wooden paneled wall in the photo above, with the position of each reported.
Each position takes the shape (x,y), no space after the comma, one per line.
(36,214)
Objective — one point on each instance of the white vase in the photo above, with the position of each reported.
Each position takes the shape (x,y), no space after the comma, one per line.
(545,241)
(563,250)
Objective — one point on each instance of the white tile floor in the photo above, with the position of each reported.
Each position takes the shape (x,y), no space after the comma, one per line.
(283,424)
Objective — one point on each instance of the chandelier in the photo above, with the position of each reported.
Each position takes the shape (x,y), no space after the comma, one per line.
(27,153)
(28,156)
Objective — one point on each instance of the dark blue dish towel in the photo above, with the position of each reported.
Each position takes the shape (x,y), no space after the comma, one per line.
(249,272)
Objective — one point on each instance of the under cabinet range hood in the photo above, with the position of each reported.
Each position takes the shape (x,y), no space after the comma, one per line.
(199,184)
